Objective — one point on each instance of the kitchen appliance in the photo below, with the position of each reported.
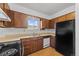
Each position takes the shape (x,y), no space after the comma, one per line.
(46,41)
(10,48)
(65,37)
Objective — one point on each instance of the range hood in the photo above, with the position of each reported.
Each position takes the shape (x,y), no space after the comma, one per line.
(4,16)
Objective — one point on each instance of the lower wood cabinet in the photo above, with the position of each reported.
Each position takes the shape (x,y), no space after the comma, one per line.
(52,41)
(30,45)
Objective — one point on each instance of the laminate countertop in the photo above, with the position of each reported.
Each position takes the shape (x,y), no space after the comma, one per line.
(15,37)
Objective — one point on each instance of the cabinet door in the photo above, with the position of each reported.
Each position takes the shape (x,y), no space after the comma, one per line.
(44,24)
(1,5)
(4,6)
(26,47)
(52,24)
(1,24)
(52,41)
(31,45)
(20,20)
(10,13)
(37,44)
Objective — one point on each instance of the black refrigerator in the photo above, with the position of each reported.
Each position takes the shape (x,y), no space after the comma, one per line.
(65,38)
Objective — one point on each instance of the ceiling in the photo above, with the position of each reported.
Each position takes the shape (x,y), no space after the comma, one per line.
(46,8)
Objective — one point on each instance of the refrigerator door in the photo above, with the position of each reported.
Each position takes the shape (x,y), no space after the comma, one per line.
(65,37)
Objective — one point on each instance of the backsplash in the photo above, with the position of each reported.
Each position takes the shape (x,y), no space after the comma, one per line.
(9,31)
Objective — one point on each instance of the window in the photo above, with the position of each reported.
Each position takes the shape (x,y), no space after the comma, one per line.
(33,22)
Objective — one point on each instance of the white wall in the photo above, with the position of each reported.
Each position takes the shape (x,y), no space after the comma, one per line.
(77,29)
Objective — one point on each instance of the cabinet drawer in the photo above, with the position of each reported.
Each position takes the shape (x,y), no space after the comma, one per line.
(32,45)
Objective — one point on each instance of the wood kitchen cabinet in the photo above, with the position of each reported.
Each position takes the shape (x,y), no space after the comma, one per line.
(20,20)
(61,19)
(44,23)
(31,45)
(6,9)
(52,41)
(4,6)
(8,23)
(10,13)
(52,24)
(70,16)
(1,5)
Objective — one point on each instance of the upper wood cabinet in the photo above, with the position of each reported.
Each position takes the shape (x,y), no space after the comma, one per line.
(1,5)
(70,16)
(4,6)
(20,20)
(6,9)
(60,19)
(52,24)
(44,23)
(10,13)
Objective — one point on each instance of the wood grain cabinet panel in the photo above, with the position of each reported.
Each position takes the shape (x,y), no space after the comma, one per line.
(4,6)
(44,23)
(52,41)
(52,24)
(1,5)
(70,16)
(20,20)
(32,45)
(10,13)
(60,19)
